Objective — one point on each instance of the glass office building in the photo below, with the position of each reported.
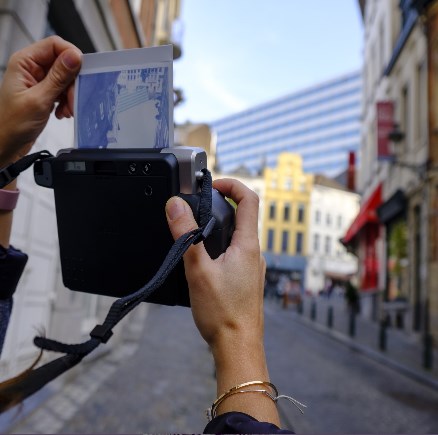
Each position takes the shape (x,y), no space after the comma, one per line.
(321,123)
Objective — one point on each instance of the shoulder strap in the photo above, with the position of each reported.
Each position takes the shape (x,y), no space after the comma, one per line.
(74,353)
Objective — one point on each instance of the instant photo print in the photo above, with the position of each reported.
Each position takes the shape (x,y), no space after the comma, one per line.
(112,227)
(124,99)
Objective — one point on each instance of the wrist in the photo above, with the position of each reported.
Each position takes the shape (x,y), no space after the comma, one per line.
(239,359)
(9,197)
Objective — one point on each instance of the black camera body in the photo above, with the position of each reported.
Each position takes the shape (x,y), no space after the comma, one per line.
(112,227)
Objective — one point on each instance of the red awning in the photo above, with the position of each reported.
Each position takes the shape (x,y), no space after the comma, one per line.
(367,214)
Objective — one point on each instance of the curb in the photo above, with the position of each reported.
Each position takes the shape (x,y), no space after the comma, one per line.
(371,353)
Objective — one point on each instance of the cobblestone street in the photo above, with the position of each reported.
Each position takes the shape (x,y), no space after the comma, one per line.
(166,384)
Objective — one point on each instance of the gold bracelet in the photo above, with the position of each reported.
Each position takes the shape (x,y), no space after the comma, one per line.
(211,412)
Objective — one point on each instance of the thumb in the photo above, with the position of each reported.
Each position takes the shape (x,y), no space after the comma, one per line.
(179,217)
(61,74)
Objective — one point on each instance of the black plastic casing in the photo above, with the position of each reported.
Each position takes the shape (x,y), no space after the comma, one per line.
(112,227)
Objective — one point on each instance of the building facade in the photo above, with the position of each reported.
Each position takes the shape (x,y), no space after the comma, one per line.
(393,234)
(41,302)
(321,123)
(284,240)
(332,207)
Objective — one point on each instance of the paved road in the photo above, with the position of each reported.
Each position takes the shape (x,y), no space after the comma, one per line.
(346,392)
(168,382)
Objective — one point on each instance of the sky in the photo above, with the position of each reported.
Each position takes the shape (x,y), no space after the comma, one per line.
(241,53)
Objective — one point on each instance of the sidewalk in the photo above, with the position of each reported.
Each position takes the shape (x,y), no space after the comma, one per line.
(403,352)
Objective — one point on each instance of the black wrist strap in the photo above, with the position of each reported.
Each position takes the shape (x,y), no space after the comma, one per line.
(38,378)
(11,172)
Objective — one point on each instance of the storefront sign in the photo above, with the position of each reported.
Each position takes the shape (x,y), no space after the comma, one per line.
(385,124)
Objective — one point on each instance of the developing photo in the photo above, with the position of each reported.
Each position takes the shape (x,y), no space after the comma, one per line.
(128,108)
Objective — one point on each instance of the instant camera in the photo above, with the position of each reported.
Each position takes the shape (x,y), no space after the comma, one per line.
(112,227)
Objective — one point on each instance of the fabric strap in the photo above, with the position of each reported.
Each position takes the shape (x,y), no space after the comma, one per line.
(11,172)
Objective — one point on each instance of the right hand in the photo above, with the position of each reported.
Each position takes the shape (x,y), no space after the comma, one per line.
(36,78)
(226,294)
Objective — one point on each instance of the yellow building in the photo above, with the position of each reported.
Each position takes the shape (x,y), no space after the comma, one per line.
(287,202)
(286,219)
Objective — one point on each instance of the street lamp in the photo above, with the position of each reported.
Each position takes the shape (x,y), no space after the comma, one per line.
(396,135)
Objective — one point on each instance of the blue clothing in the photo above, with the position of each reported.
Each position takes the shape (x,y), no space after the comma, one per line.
(12,262)
(5,314)
(238,422)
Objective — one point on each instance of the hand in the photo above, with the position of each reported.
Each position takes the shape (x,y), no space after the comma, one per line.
(36,78)
(226,296)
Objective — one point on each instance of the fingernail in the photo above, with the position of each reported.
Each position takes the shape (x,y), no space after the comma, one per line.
(174,208)
(71,59)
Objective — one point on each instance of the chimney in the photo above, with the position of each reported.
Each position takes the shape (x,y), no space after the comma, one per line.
(351,171)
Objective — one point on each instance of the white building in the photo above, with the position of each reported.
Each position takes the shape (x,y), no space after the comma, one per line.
(332,209)
(392,174)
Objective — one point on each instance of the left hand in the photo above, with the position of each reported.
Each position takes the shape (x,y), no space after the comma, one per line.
(36,78)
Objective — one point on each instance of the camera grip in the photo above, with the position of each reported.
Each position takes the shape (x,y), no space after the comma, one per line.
(219,239)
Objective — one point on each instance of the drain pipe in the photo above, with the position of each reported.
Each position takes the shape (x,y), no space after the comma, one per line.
(6,23)
(9,19)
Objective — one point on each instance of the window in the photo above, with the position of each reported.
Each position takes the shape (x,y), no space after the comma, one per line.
(420,106)
(404,116)
(272,210)
(339,221)
(317,216)
(328,219)
(328,245)
(316,242)
(300,217)
(299,243)
(270,240)
(284,241)
(286,213)
(381,47)
(288,183)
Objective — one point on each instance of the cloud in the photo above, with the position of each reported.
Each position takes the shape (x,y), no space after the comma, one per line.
(217,89)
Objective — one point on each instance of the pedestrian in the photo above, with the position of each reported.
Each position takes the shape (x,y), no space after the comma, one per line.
(352,297)
(226,294)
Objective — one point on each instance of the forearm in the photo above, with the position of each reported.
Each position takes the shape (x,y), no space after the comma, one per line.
(6,220)
(241,360)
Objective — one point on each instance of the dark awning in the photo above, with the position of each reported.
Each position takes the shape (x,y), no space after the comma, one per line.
(395,206)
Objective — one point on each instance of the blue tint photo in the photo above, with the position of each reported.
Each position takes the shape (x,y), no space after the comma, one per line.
(124,109)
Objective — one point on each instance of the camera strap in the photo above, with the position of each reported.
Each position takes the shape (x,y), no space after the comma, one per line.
(74,353)
(11,172)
